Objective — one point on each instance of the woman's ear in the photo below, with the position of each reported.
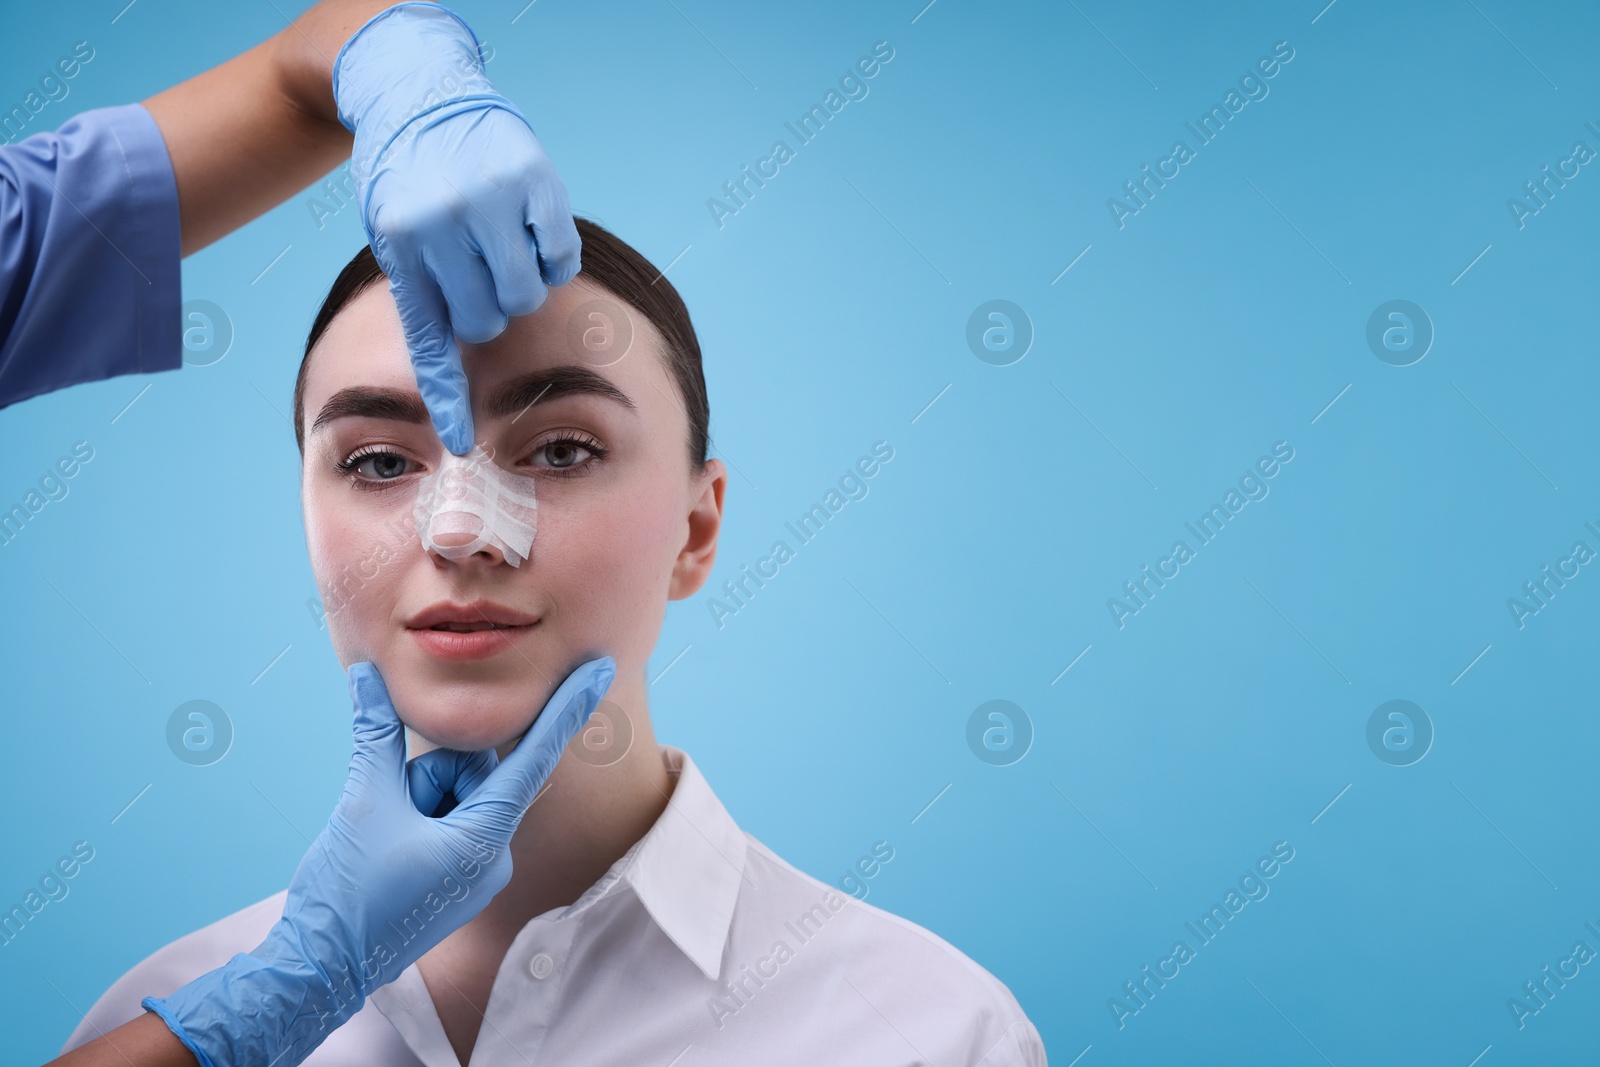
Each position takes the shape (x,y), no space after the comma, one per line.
(693,565)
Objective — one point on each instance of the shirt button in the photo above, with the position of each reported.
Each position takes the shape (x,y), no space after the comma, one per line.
(541,966)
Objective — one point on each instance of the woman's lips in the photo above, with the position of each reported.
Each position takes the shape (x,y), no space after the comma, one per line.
(476,644)
(476,630)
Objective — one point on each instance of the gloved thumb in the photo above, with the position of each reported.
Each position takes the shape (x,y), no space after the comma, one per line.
(380,740)
(499,804)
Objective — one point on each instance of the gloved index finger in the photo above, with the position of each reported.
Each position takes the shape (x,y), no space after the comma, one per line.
(425,318)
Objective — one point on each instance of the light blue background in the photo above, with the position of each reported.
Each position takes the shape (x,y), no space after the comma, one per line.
(833,709)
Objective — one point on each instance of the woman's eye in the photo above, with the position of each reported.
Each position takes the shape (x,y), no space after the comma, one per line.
(383,465)
(375,466)
(567,454)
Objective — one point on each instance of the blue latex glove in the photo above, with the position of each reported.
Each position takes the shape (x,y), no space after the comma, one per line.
(382,884)
(462,207)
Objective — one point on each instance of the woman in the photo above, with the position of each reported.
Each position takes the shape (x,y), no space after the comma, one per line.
(640,922)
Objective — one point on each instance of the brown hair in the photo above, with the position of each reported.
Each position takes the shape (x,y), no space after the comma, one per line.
(609,262)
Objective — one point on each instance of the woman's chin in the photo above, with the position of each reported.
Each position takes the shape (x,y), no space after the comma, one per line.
(477,725)
(464,716)
(469,736)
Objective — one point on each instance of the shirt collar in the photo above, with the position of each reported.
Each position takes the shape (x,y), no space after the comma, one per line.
(687,868)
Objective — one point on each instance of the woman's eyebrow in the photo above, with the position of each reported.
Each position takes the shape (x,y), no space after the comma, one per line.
(512,398)
(372,403)
(521,393)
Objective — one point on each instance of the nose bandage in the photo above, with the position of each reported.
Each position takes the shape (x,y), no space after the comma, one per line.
(471,503)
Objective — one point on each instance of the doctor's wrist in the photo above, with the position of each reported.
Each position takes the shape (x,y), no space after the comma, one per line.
(302,54)
(405,61)
(270,1005)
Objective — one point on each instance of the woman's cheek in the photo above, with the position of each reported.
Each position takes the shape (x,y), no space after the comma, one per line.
(357,559)
(631,562)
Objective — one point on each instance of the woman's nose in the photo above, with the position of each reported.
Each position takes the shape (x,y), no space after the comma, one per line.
(459,547)
(474,509)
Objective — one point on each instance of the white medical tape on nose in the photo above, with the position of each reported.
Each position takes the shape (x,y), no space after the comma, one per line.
(471,503)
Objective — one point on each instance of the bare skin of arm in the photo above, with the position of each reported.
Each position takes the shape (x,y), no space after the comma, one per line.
(247,135)
(243,137)
(145,1041)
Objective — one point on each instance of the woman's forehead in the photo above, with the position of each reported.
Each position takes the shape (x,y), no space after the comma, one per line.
(578,323)
(365,342)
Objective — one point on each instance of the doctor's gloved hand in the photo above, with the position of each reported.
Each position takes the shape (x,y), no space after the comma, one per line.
(463,209)
(382,884)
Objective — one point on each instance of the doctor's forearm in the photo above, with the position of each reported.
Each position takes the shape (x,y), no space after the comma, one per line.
(247,135)
(143,1042)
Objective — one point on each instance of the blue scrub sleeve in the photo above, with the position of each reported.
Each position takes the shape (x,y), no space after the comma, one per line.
(90,286)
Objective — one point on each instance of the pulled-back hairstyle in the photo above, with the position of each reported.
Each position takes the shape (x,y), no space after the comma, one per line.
(609,262)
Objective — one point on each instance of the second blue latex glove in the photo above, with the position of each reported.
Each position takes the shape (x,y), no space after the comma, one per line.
(464,211)
(382,884)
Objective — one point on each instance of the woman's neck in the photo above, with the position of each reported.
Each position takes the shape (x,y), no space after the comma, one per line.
(584,819)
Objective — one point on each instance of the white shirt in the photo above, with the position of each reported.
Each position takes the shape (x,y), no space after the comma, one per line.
(700,947)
